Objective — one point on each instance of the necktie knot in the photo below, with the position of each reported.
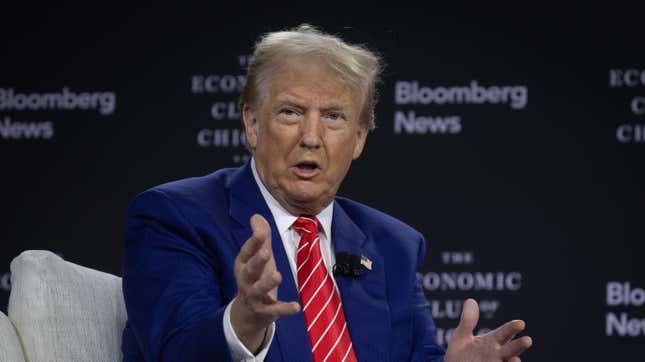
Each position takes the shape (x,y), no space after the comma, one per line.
(306,225)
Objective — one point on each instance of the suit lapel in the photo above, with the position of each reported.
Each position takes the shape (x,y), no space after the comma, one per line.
(291,342)
(364,298)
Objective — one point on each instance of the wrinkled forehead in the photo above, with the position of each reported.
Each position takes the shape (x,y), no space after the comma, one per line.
(307,73)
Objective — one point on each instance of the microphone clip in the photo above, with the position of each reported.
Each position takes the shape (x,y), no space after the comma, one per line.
(347,265)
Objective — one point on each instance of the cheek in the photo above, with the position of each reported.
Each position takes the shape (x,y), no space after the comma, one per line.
(341,155)
(277,142)
(269,135)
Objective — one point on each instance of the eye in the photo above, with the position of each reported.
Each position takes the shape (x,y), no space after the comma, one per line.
(288,114)
(335,116)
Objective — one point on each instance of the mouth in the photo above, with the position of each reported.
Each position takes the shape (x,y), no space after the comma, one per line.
(306,169)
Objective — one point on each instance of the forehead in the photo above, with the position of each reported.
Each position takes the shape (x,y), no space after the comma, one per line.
(310,80)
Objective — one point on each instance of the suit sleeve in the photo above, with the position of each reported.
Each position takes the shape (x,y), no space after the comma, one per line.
(425,346)
(172,297)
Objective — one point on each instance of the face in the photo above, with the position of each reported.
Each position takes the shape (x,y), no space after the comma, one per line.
(304,132)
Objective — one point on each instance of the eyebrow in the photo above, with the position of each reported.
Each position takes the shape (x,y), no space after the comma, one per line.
(294,101)
(286,99)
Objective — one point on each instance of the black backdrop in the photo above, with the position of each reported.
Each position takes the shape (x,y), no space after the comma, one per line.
(521,158)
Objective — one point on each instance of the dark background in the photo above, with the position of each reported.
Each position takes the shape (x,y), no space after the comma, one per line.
(546,191)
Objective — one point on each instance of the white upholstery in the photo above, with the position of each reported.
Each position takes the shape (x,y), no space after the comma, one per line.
(10,348)
(63,311)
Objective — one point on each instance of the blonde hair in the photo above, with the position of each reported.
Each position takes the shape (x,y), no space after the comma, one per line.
(355,65)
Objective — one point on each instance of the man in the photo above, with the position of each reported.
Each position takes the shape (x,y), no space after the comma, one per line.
(238,264)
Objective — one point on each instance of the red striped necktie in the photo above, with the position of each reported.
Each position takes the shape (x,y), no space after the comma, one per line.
(326,325)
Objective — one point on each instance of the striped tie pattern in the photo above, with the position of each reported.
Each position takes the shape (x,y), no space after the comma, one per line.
(321,305)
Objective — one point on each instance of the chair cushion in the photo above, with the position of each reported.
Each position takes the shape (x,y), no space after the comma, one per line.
(10,348)
(63,311)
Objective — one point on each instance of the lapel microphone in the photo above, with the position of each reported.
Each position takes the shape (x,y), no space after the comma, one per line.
(347,265)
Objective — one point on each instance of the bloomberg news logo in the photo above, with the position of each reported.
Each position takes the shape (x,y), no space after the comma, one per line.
(415,120)
(43,129)
(625,299)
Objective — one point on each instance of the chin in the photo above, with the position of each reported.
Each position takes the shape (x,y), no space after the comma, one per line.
(308,199)
(305,198)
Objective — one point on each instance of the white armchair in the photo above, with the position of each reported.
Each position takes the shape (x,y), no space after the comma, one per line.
(10,347)
(61,312)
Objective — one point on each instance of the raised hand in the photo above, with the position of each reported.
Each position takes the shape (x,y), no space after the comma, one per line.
(497,345)
(256,304)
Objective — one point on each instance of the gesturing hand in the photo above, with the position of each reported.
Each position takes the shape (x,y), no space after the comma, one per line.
(497,345)
(256,304)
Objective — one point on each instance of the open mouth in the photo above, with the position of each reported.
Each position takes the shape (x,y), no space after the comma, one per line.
(306,169)
(307,165)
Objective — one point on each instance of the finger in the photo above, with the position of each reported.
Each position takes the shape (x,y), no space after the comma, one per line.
(254,268)
(279,309)
(514,359)
(507,331)
(261,231)
(250,248)
(515,347)
(266,283)
(469,318)
(261,228)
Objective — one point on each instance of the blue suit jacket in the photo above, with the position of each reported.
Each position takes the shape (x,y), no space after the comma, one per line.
(181,240)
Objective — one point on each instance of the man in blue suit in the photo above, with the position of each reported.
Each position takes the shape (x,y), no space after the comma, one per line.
(238,264)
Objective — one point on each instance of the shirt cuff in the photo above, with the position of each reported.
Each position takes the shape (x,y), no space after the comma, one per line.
(239,352)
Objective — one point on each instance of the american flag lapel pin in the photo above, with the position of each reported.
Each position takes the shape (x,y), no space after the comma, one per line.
(366,262)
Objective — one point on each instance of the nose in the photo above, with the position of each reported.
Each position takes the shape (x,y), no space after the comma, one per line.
(311,131)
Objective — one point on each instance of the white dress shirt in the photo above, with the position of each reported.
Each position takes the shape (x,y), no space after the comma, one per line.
(290,239)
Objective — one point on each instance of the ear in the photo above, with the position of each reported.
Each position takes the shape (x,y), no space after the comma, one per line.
(250,126)
(361,137)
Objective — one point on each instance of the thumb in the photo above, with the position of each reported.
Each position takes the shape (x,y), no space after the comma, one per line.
(469,318)
(261,228)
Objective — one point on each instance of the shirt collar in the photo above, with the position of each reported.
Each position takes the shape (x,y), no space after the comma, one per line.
(283,218)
